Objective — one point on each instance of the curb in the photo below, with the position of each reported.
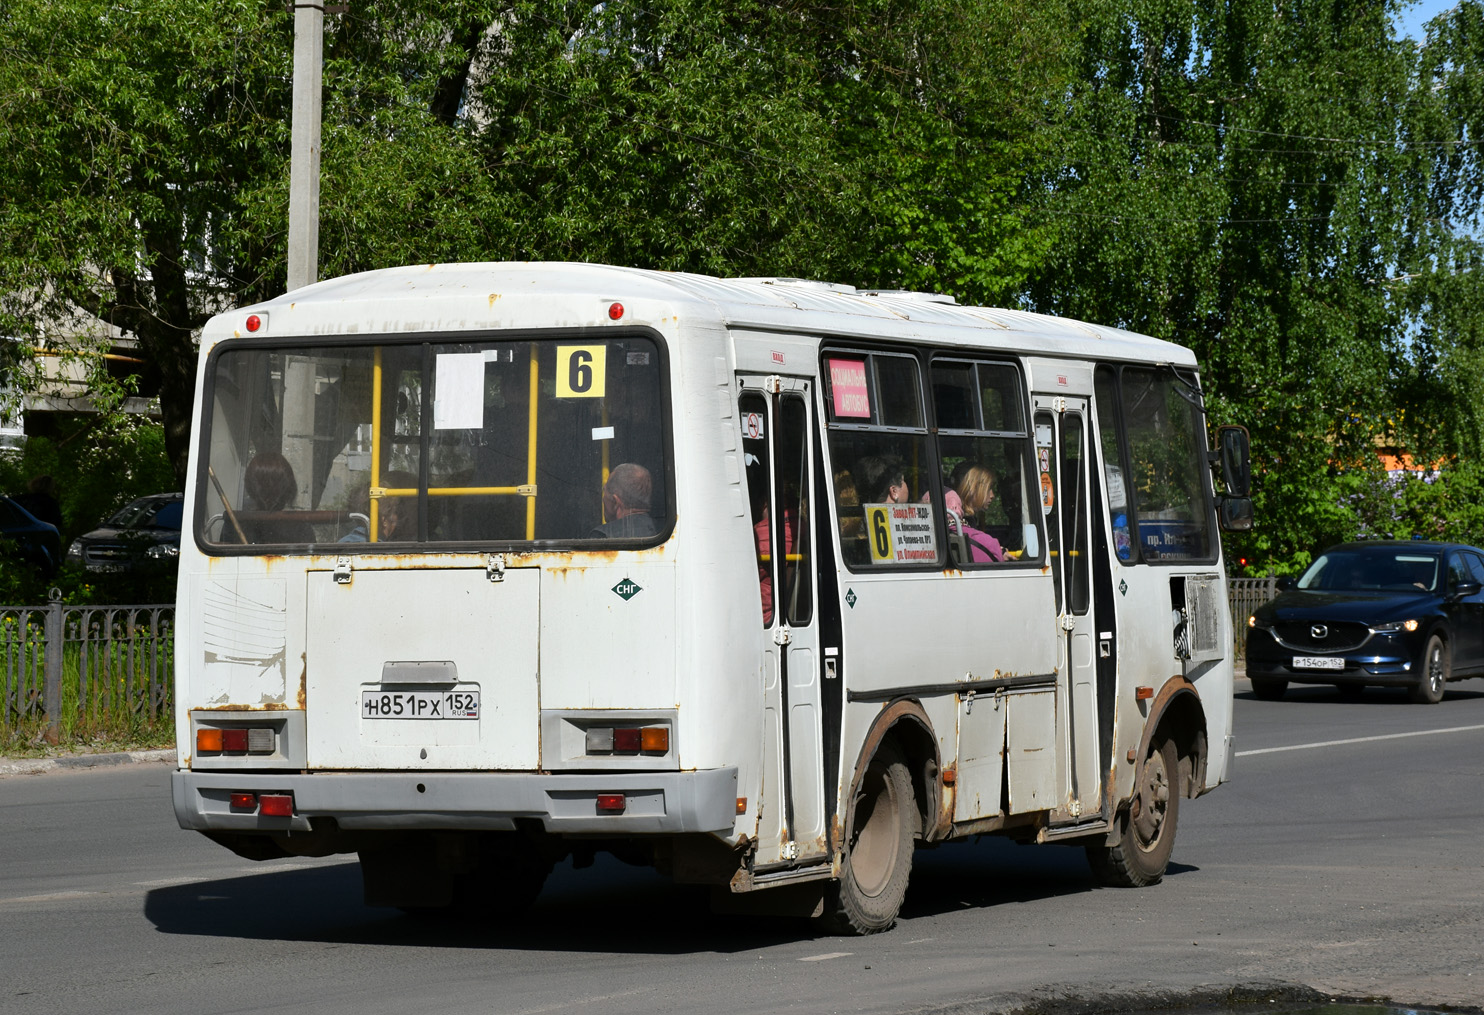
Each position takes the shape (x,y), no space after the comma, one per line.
(38,766)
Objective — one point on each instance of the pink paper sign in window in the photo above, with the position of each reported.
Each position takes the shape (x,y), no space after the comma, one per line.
(848,386)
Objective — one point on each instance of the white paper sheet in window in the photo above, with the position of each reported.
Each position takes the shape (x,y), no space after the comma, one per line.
(459,386)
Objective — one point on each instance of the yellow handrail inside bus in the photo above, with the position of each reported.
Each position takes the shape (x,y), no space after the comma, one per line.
(375,438)
(527,489)
(531,448)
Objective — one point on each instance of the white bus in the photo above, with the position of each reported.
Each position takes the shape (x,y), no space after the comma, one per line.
(480,576)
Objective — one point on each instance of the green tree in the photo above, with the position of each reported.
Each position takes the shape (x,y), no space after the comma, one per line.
(1264,181)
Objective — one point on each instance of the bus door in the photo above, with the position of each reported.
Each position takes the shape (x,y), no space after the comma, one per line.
(776,416)
(1063,460)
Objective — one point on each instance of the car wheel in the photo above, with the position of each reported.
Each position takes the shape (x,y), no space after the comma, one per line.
(878,849)
(1147,837)
(1434,676)
(1268,688)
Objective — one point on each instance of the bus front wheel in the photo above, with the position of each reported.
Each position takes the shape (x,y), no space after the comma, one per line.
(1147,836)
(878,848)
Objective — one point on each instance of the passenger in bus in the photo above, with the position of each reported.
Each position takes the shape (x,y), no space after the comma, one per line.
(881,479)
(763,536)
(271,488)
(396,517)
(970,491)
(626,504)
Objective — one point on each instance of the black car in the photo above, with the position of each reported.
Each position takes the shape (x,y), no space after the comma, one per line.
(1390,614)
(142,533)
(26,537)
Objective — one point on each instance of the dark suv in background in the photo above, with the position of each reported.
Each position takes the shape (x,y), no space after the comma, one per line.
(1388,614)
(143,533)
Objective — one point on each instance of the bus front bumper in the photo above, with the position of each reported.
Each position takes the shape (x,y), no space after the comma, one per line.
(653,802)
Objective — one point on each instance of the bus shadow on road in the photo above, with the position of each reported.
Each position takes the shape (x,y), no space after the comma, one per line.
(609,907)
(995,872)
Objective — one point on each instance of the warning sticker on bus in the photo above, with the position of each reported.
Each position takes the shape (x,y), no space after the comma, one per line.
(901,533)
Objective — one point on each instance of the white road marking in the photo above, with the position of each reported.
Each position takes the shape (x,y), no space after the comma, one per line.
(568,1003)
(52,897)
(826,955)
(1359,740)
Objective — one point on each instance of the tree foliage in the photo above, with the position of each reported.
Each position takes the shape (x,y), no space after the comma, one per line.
(1284,185)
(1279,185)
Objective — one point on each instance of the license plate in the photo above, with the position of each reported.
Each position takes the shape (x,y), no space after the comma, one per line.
(419,704)
(1318,663)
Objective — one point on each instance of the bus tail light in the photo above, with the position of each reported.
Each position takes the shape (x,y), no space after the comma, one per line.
(627,739)
(237,740)
(611,803)
(277,805)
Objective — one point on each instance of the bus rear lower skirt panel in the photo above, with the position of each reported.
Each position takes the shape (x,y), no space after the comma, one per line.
(656,802)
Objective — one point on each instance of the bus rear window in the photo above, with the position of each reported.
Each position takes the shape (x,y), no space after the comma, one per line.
(482,441)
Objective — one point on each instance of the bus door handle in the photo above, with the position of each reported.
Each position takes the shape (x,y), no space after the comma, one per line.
(782,634)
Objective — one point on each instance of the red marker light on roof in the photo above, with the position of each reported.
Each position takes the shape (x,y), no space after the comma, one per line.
(254,322)
(615,311)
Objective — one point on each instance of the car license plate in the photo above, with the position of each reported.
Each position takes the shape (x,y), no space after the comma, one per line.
(1318,663)
(419,704)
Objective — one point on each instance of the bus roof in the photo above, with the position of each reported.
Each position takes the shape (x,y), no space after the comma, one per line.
(473,296)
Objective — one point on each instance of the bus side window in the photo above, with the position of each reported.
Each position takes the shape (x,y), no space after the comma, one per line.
(882,461)
(983,443)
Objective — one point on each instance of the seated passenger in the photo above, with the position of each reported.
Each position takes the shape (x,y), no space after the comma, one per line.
(396,517)
(881,480)
(626,504)
(971,488)
(271,488)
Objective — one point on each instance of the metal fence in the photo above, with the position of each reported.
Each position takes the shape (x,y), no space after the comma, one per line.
(1246,595)
(76,664)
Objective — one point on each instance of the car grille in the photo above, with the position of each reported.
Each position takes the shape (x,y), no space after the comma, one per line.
(1339,637)
(107,556)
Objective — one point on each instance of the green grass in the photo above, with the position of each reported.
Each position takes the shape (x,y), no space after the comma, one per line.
(109,715)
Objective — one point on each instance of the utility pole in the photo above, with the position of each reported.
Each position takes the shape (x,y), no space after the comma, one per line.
(309,66)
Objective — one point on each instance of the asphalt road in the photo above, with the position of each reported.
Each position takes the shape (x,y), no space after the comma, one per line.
(1346,856)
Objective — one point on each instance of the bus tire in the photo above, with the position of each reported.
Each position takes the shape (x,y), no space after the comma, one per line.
(1147,836)
(878,848)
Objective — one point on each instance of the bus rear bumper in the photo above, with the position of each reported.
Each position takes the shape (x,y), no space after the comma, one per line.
(653,802)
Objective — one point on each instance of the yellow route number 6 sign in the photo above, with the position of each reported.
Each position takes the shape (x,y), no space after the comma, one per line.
(581,370)
(878,527)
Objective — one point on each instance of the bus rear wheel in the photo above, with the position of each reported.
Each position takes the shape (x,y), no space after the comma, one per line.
(878,848)
(1147,838)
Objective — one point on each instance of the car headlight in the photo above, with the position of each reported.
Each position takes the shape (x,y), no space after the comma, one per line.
(74,552)
(160,550)
(1395,626)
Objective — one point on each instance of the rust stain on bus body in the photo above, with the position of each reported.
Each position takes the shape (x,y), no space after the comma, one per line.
(269,706)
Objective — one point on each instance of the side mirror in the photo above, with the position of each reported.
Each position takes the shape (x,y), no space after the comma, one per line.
(1287,582)
(1464,589)
(1236,459)
(1236,514)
